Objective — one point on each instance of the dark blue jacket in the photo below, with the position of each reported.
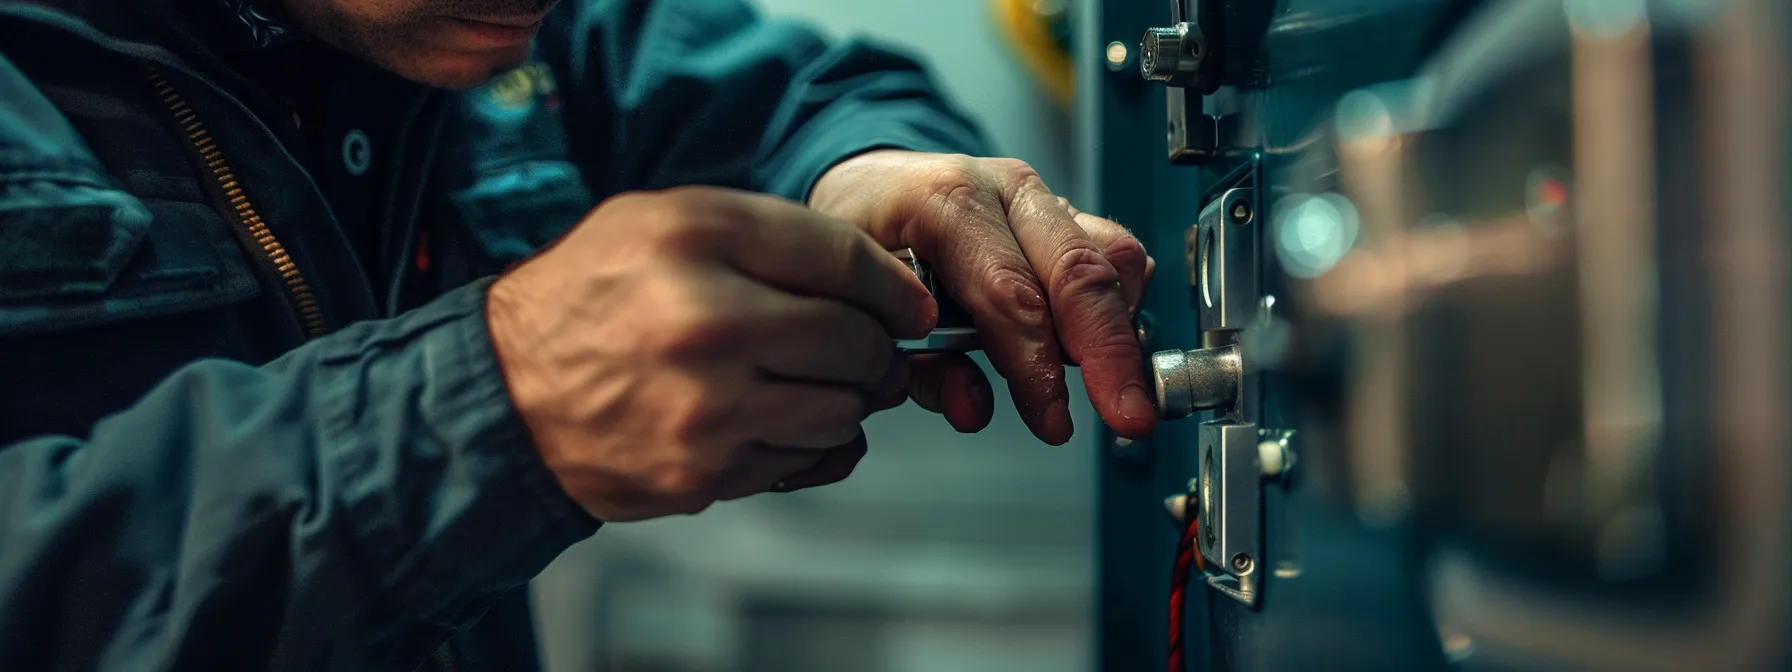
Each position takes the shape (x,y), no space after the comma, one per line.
(249,412)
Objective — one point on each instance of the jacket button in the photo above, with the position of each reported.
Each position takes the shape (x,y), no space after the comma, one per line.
(357,152)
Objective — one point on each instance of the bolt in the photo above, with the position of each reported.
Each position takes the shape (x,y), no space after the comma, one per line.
(1177,505)
(1241,212)
(1458,647)
(1241,563)
(1118,55)
(1270,458)
(1128,450)
(1171,55)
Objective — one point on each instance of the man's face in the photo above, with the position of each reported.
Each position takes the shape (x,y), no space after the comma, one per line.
(450,43)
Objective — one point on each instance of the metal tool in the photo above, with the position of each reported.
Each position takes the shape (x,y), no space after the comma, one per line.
(954,332)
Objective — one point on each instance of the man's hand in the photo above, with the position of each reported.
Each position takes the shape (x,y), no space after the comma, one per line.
(1041,279)
(695,345)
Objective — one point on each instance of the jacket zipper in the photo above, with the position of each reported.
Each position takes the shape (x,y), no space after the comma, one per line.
(249,227)
(443,658)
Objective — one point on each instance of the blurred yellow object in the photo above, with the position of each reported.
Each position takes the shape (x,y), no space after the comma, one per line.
(1027,26)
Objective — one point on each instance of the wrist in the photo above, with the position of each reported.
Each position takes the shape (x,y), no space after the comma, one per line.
(836,187)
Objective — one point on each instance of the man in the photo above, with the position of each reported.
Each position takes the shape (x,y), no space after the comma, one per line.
(312,357)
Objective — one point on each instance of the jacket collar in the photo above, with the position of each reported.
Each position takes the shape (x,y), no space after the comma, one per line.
(263,23)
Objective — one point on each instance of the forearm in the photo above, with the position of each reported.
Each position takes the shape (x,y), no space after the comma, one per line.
(364,488)
(664,93)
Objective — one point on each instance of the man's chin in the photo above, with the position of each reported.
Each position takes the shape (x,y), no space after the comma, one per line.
(457,71)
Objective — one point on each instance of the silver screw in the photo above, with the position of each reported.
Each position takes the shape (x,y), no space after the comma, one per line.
(1241,563)
(1127,450)
(1241,212)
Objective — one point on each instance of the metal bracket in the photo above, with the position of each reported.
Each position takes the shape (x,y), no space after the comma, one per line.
(1186,59)
(1222,259)
(1230,496)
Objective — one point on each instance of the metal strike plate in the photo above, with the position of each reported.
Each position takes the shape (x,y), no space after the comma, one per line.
(1222,256)
(1230,492)
(1186,59)
(1193,137)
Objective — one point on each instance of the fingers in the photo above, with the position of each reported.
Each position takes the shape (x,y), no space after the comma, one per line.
(1123,251)
(966,233)
(760,468)
(804,252)
(892,391)
(818,340)
(803,415)
(834,466)
(1089,305)
(952,385)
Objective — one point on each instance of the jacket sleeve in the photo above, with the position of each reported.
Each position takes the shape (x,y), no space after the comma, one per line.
(668,92)
(339,508)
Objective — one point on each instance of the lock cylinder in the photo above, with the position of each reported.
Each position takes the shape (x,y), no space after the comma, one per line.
(1190,381)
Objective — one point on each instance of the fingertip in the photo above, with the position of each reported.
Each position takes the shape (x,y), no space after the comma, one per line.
(1056,428)
(1133,428)
(927,317)
(895,379)
(885,401)
(969,401)
(1121,396)
(1137,418)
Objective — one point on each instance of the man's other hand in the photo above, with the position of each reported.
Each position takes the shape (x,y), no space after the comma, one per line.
(694,345)
(1041,279)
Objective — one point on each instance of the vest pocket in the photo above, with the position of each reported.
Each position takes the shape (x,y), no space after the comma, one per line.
(78,256)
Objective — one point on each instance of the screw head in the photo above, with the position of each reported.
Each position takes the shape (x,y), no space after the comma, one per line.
(1128,451)
(1118,55)
(1241,563)
(1240,212)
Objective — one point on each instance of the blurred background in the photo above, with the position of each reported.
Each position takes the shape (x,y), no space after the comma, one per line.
(942,552)
(1512,278)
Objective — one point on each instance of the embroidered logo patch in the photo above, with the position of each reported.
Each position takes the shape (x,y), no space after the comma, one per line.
(515,93)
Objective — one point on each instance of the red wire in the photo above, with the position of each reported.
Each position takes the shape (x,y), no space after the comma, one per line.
(1186,555)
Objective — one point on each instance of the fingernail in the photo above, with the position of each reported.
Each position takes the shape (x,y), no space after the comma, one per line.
(1135,404)
(895,377)
(982,393)
(1058,422)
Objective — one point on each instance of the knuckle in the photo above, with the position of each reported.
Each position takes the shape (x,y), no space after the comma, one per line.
(684,481)
(953,184)
(837,419)
(854,256)
(690,325)
(855,338)
(1015,171)
(683,219)
(690,233)
(700,417)
(870,348)
(1081,269)
(1110,341)
(1016,296)
(694,507)
(691,336)
(1126,251)
(958,181)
